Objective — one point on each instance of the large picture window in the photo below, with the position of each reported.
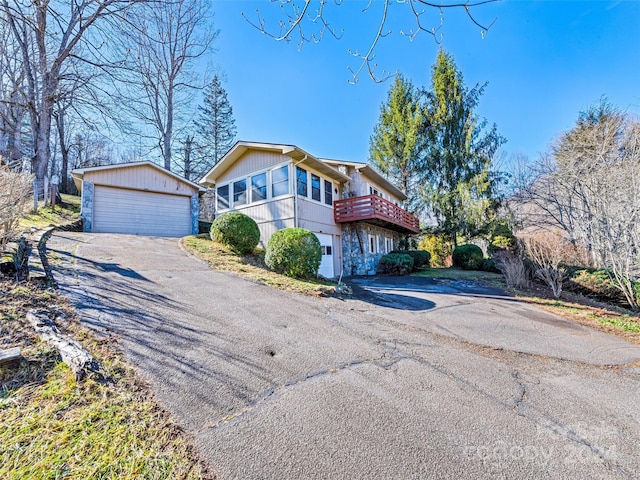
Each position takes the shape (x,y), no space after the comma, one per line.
(223,197)
(240,192)
(301,182)
(280,181)
(259,187)
(315,187)
(328,192)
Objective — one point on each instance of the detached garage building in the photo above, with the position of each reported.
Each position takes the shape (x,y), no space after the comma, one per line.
(138,198)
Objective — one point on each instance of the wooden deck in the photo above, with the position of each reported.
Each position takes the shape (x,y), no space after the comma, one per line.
(377,210)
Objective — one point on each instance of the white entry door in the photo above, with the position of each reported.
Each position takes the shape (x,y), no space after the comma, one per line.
(326,264)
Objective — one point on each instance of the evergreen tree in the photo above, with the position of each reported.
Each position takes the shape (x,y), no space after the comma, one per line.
(215,128)
(460,186)
(396,147)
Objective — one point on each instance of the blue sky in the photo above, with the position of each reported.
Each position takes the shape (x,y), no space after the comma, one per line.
(544,61)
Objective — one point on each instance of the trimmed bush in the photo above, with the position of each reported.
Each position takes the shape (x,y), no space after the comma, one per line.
(294,252)
(421,258)
(468,257)
(236,230)
(395,264)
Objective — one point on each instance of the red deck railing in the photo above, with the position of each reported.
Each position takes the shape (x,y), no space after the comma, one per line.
(375,208)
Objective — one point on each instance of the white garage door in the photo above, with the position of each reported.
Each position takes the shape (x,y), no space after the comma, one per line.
(326,264)
(118,210)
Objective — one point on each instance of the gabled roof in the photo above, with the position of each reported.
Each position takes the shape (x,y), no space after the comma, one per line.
(78,173)
(370,172)
(298,155)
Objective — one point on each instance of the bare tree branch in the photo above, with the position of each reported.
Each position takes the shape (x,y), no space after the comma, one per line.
(297,19)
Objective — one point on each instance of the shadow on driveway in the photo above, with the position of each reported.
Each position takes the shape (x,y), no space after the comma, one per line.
(408,293)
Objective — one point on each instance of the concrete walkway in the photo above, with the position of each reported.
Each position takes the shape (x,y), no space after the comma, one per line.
(411,381)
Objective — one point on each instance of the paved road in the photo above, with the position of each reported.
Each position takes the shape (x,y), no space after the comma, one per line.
(426,380)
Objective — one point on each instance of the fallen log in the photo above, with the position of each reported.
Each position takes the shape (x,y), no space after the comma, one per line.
(10,357)
(73,354)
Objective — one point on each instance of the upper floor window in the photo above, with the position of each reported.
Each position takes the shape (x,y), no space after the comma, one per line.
(240,192)
(280,181)
(223,197)
(259,187)
(328,192)
(374,191)
(301,182)
(315,187)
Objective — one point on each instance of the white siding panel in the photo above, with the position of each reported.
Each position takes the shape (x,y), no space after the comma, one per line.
(117,210)
(140,177)
(271,216)
(252,161)
(316,217)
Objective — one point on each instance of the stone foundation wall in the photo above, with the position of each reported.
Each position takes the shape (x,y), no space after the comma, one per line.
(357,258)
(207,206)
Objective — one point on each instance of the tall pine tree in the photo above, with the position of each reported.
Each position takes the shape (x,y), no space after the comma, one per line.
(215,129)
(396,147)
(459,187)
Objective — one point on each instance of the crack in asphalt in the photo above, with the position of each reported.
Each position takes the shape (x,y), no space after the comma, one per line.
(389,358)
(552,425)
(520,399)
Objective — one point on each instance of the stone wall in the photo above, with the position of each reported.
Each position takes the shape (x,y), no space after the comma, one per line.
(357,258)
(207,207)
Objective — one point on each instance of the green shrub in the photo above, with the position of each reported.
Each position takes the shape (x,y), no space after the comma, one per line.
(502,238)
(395,264)
(468,257)
(593,282)
(294,252)
(489,265)
(236,230)
(421,258)
(439,248)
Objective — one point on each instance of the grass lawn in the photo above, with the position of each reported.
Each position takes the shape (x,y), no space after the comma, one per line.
(597,315)
(53,427)
(64,214)
(459,274)
(252,266)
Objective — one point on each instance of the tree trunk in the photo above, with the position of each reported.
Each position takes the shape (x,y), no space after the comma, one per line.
(168,134)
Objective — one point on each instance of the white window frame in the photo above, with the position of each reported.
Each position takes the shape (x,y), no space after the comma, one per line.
(249,187)
(323,180)
(373,244)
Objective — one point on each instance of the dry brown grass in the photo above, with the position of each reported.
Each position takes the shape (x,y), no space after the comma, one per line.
(55,427)
(252,266)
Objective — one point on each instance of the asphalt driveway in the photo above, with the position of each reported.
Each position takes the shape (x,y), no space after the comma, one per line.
(422,379)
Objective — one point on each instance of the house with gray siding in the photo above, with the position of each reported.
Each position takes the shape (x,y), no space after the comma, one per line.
(353,210)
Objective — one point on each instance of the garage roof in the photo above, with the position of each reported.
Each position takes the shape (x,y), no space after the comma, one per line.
(78,173)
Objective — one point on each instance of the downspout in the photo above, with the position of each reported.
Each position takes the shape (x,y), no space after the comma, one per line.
(295,193)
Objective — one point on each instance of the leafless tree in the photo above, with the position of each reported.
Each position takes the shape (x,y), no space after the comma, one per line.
(589,186)
(548,251)
(48,35)
(15,188)
(308,21)
(164,41)
(13,108)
